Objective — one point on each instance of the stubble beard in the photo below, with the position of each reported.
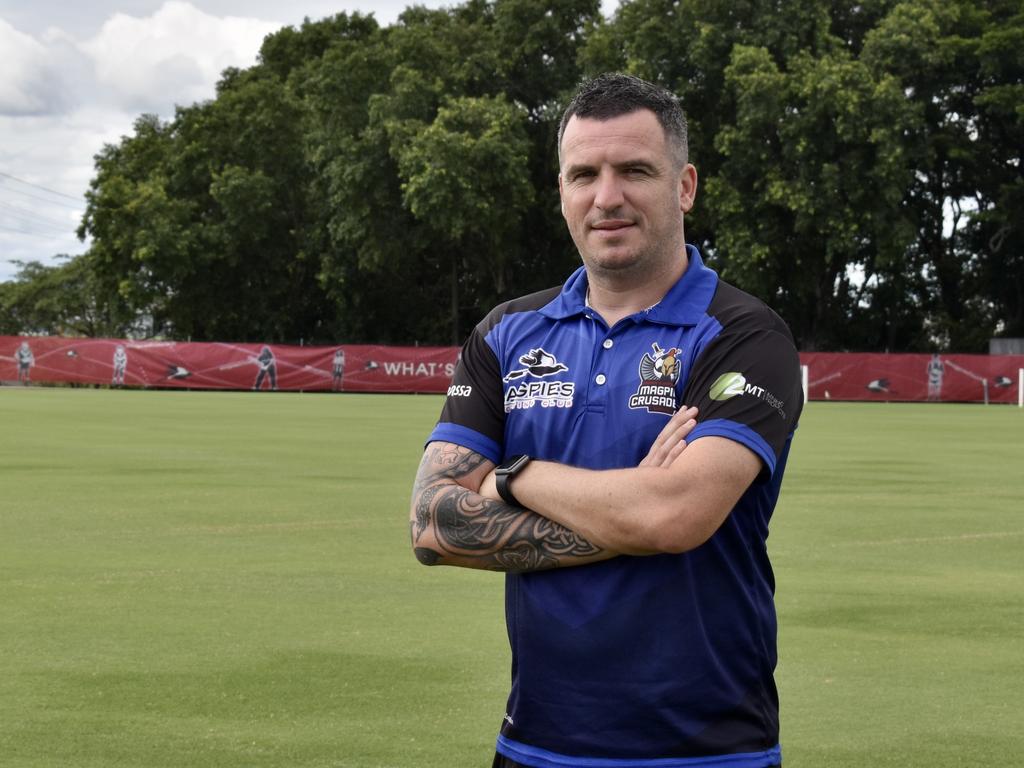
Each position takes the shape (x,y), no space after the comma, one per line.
(629,266)
(632,268)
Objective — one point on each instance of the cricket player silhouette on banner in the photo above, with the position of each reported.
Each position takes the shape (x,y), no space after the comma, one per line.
(25,360)
(120,365)
(935,371)
(267,368)
(338,371)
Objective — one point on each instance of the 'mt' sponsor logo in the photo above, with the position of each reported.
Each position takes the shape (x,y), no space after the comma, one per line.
(734,384)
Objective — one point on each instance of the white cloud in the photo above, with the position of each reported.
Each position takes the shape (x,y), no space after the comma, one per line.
(52,153)
(66,90)
(131,65)
(49,137)
(29,85)
(173,57)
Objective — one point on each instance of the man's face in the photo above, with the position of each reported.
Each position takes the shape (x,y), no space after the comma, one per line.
(623,194)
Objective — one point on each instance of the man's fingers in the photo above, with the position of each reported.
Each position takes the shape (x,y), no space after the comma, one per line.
(677,449)
(668,440)
(655,455)
(679,418)
(677,443)
(687,414)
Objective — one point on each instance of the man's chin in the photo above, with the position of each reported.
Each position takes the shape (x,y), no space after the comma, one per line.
(612,261)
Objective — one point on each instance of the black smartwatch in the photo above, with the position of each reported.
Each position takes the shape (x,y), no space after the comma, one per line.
(503,474)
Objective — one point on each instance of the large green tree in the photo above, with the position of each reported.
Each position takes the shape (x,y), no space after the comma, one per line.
(806,203)
(962,66)
(463,176)
(202,222)
(431,140)
(798,145)
(65,300)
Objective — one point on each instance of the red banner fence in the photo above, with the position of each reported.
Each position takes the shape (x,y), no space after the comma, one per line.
(913,377)
(195,365)
(368,368)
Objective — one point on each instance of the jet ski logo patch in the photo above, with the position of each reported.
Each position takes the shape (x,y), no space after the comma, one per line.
(658,376)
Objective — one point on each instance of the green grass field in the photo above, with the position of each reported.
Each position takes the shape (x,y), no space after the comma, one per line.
(224,579)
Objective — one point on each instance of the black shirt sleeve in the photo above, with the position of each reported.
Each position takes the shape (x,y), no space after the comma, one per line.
(473,413)
(746,384)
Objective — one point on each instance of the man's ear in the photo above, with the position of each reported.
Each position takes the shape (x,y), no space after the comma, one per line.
(687,188)
(561,200)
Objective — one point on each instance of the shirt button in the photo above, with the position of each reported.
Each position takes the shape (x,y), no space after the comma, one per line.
(600,378)
(608,344)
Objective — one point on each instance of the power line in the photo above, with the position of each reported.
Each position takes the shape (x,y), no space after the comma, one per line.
(23,233)
(34,227)
(35,217)
(40,199)
(45,189)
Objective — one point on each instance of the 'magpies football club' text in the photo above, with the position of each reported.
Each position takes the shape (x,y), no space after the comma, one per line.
(547,394)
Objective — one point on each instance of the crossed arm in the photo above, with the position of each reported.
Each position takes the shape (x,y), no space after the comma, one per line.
(673,501)
(452,524)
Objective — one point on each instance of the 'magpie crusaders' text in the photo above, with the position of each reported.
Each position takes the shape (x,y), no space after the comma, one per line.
(546,394)
(655,396)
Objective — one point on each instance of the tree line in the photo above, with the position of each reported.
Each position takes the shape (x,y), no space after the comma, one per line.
(860,167)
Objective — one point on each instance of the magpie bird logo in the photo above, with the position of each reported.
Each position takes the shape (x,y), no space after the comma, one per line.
(537,363)
(177,372)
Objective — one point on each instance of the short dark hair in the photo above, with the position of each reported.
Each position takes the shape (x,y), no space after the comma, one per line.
(614,94)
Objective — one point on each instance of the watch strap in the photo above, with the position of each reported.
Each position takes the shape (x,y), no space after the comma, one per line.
(503,475)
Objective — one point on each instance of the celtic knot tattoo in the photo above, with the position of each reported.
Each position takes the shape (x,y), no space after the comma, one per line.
(468,529)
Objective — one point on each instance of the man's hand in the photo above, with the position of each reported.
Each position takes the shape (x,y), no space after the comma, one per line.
(671,441)
(665,449)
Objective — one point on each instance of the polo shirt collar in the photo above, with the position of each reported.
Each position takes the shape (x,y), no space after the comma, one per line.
(684,304)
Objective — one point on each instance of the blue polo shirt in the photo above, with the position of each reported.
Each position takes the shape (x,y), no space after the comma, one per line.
(665,660)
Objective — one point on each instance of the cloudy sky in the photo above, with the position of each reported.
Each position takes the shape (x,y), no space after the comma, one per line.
(76,75)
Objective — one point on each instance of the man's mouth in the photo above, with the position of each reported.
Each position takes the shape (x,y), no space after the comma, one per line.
(611,225)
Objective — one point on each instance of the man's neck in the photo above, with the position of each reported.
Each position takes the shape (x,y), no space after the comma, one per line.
(614,298)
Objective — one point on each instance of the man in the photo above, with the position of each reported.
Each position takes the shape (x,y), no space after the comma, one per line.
(639,596)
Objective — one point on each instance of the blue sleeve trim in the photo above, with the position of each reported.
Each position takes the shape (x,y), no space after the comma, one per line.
(741,433)
(541,758)
(468,438)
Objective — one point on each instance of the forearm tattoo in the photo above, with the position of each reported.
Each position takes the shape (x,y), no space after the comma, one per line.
(490,534)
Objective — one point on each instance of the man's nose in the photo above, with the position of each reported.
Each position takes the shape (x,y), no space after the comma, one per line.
(608,195)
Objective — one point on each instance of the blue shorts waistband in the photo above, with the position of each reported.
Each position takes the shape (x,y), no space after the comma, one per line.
(542,758)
